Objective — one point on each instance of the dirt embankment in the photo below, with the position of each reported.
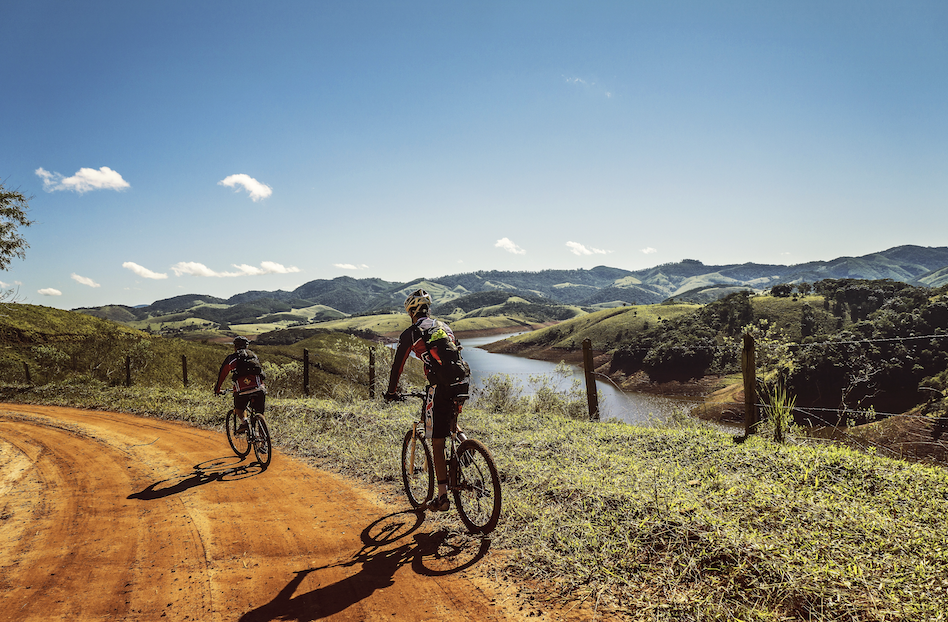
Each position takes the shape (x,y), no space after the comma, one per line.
(106,516)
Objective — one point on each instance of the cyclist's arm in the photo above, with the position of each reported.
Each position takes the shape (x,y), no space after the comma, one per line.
(398,364)
(226,367)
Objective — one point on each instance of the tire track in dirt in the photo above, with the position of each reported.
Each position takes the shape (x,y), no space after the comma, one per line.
(111,516)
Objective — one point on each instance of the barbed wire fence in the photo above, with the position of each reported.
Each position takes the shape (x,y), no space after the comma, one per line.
(926,436)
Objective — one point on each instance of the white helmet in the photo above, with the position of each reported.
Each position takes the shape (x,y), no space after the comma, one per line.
(416,300)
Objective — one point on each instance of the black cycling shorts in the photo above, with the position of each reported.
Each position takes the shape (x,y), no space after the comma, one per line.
(446,410)
(257,400)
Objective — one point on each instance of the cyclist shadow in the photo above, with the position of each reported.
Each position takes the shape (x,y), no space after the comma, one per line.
(431,554)
(216,470)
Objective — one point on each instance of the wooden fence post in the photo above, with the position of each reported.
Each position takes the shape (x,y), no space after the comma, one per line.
(128,371)
(184,369)
(749,368)
(592,396)
(372,373)
(305,372)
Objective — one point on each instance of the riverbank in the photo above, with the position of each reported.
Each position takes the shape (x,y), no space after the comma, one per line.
(638,382)
(918,435)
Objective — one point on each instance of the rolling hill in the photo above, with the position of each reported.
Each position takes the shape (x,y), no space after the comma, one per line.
(688,280)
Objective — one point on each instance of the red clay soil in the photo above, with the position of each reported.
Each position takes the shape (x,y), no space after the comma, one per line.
(107,516)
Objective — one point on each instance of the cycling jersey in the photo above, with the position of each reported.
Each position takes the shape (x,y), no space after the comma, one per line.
(242,383)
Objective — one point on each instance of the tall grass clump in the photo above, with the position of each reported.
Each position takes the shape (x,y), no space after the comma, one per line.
(778,411)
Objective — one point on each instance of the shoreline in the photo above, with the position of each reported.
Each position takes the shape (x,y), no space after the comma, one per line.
(722,399)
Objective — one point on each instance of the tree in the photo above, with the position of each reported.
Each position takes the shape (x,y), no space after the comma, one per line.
(13,208)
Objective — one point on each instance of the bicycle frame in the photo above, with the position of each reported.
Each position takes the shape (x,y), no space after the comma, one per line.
(472,476)
(258,436)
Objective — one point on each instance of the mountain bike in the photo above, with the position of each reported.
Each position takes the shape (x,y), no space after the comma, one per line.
(472,474)
(257,435)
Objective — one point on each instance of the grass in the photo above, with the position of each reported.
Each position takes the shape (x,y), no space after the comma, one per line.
(606,329)
(675,523)
(785,314)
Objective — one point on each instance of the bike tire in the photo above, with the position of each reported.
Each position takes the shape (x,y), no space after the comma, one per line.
(239,443)
(418,471)
(262,445)
(476,487)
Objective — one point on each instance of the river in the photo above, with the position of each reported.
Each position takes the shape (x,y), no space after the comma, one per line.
(637,408)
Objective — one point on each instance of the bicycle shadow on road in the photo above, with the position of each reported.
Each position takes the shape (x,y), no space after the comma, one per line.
(216,470)
(384,551)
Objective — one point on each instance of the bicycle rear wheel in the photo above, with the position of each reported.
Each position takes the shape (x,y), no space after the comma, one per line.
(476,487)
(417,469)
(238,442)
(262,447)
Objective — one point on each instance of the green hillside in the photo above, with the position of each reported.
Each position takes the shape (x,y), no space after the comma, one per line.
(56,345)
(688,280)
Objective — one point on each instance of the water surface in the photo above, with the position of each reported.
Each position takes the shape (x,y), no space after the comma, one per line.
(638,408)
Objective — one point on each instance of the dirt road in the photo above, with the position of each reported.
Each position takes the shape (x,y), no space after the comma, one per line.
(105,516)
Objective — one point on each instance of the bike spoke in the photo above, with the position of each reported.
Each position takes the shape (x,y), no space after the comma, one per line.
(476,487)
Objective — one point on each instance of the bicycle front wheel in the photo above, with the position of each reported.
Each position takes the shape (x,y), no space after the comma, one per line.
(238,442)
(476,487)
(417,469)
(262,446)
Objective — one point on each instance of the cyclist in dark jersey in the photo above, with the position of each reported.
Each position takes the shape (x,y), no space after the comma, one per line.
(446,406)
(247,379)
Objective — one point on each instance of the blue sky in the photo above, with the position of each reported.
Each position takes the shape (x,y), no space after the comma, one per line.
(220,147)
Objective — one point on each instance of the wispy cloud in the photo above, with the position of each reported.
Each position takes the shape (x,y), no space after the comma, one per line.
(649,250)
(509,246)
(84,180)
(349,266)
(145,273)
(84,280)
(194,268)
(254,188)
(49,291)
(587,84)
(578,249)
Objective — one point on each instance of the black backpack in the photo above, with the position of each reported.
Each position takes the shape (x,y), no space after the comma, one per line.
(450,371)
(247,364)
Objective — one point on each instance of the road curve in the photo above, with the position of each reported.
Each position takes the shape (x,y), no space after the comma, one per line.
(107,516)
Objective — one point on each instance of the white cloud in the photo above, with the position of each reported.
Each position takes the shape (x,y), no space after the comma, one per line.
(275,268)
(649,250)
(84,180)
(49,291)
(254,188)
(84,280)
(349,266)
(509,246)
(145,273)
(198,269)
(578,249)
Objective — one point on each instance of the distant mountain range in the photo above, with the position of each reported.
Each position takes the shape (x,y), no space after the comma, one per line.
(687,280)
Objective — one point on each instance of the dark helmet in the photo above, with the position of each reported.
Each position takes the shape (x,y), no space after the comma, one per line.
(416,300)
(241,342)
